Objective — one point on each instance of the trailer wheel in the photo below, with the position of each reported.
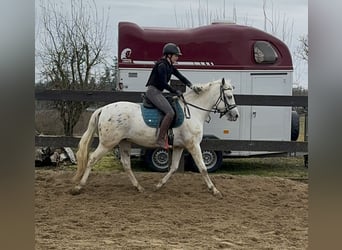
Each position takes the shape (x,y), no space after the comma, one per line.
(212,160)
(157,159)
(294,126)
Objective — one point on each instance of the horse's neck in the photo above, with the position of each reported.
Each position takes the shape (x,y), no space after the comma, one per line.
(205,100)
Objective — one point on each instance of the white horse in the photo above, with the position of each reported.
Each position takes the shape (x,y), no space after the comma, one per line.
(121,123)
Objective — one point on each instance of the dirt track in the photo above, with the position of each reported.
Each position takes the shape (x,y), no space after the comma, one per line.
(255,213)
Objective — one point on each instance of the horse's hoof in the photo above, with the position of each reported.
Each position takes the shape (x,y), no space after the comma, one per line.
(217,194)
(157,187)
(140,189)
(75,191)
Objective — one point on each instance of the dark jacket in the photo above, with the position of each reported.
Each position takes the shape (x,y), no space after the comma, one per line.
(161,74)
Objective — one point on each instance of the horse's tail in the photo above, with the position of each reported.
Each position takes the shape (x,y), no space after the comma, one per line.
(83,146)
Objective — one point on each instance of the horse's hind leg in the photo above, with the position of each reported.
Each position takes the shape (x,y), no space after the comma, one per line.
(196,154)
(176,155)
(93,159)
(125,153)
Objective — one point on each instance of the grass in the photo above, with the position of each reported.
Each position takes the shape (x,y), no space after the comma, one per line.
(288,167)
(110,163)
(285,167)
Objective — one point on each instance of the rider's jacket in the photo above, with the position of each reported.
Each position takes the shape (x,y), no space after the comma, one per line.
(161,74)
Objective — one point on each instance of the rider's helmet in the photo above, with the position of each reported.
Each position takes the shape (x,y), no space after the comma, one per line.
(171,48)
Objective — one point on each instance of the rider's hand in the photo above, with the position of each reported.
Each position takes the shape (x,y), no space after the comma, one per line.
(196,89)
(179,93)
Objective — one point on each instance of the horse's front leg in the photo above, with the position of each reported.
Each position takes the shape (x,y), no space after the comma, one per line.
(125,153)
(196,154)
(176,155)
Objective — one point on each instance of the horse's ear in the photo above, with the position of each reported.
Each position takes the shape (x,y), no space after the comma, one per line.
(223,81)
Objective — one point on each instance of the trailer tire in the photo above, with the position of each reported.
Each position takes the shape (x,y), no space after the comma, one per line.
(157,159)
(212,160)
(294,126)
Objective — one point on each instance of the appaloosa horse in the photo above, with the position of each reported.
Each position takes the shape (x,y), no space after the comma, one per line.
(121,123)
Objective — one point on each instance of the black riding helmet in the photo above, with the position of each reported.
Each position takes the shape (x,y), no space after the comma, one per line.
(171,48)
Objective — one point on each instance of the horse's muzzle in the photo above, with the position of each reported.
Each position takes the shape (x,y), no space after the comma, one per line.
(233,115)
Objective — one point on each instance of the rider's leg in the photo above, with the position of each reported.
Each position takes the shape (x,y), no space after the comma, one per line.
(162,139)
(157,98)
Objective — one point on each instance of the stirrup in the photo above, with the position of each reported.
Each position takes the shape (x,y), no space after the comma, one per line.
(166,145)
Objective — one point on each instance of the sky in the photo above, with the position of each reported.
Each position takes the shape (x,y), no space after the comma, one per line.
(175,13)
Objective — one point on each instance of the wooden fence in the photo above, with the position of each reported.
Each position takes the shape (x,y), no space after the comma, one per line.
(210,144)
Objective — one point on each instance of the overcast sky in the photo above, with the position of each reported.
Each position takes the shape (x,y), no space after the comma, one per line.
(173,13)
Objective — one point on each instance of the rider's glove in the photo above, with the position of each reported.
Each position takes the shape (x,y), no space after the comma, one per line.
(196,89)
(179,93)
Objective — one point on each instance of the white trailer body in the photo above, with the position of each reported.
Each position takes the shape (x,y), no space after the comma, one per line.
(255,62)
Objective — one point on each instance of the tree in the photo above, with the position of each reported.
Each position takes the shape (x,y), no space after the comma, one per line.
(299,91)
(202,15)
(73,45)
(278,25)
(303,48)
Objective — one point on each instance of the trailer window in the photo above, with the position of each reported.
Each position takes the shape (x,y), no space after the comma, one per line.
(264,52)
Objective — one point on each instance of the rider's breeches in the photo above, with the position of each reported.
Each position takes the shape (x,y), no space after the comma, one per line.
(157,98)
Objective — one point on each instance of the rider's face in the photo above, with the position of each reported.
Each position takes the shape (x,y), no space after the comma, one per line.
(174,58)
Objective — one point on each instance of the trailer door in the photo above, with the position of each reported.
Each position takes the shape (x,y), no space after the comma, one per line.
(270,123)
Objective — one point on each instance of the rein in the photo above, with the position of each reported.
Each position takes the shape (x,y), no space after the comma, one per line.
(214,109)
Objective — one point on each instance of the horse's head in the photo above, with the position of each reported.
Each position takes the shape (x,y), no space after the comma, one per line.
(219,90)
(227,105)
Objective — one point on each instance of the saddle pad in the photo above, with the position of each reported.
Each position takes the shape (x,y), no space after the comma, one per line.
(153,116)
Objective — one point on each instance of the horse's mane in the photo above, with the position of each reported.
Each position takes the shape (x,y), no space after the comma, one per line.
(203,86)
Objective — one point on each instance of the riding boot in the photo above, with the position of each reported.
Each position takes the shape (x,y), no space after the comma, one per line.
(162,140)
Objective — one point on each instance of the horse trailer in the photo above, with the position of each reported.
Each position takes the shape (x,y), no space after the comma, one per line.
(255,62)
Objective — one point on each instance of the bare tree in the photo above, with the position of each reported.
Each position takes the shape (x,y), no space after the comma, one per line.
(303,48)
(72,44)
(203,15)
(278,25)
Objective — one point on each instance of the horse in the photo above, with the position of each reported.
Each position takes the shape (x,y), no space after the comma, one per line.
(121,123)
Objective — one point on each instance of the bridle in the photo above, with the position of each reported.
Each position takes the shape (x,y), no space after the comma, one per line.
(214,109)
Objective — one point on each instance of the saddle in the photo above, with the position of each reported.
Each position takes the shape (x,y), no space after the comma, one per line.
(153,116)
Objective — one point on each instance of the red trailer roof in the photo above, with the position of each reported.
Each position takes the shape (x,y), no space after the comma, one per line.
(215,46)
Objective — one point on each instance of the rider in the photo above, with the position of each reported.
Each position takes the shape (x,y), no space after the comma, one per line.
(158,81)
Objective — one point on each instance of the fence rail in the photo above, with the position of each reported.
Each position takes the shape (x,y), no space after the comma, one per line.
(209,144)
(110,96)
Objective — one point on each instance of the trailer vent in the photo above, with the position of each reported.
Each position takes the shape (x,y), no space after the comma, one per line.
(132,74)
(223,22)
